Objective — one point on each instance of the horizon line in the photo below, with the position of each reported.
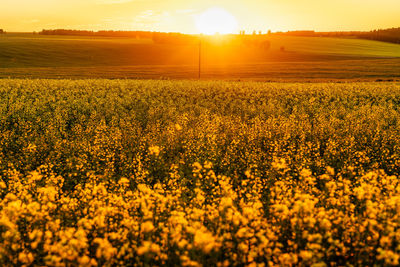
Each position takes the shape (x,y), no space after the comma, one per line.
(186,33)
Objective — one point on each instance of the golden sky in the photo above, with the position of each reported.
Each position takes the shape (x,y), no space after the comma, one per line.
(180,15)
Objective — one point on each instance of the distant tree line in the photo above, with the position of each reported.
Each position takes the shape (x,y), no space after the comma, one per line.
(157,37)
(134,34)
(319,34)
(2,31)
(296,33)
(255,40)
(387,35)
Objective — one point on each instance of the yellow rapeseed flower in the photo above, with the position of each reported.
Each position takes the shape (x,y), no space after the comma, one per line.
(147,227)
(154,150)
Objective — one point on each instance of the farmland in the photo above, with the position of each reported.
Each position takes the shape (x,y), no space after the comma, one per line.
(304,59)
(157,172)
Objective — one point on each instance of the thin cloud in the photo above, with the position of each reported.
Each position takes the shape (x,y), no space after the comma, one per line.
(185,11)
(31,21)
(151,19)
(111,2)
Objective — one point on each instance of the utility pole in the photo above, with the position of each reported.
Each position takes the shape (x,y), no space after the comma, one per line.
(200,58)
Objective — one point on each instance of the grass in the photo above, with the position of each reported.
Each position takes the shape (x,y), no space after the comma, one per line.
(338,70)
(36,56)
(351,47)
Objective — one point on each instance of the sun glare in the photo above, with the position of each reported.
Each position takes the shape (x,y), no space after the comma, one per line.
(216,20)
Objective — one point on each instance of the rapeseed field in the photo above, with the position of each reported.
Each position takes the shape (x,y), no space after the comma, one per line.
(186,173)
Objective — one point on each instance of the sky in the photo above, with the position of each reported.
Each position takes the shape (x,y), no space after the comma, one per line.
(180,15)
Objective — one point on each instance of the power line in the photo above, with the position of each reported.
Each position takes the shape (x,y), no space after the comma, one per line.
(200,58)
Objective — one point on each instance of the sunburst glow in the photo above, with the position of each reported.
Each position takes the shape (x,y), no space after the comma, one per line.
(216,20)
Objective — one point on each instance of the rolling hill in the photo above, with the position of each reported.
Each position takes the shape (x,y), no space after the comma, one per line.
(23,55)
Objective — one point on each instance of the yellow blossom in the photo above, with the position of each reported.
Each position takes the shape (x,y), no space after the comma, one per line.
(154,150)
(147,226)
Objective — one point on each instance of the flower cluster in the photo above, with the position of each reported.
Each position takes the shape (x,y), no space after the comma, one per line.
(115,173)
(311,220)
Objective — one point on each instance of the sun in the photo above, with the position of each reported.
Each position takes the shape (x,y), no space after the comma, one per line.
(216,20)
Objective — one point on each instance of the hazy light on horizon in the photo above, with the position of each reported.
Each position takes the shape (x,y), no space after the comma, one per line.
(180,15)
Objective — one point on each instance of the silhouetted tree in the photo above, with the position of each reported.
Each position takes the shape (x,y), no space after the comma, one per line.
(385,35)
